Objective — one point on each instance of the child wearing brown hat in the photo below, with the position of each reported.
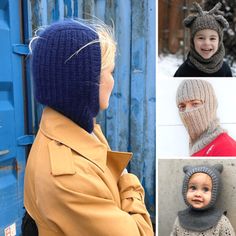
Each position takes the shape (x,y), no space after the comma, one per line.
(205,58)
(197,106)
(201,188)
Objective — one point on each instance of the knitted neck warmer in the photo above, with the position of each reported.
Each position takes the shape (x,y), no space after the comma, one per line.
(191,219)
(201,122)
(207,217)
(213,131)
(65,80)
(211,65)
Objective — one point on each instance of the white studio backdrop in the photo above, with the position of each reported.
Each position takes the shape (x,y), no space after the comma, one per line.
(171,136)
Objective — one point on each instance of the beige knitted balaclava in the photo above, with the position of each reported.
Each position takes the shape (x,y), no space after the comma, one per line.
(201,122)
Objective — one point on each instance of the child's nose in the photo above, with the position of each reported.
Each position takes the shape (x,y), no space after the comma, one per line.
(207,41)
(198,193)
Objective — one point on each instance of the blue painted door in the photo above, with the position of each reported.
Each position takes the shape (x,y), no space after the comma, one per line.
(12,155)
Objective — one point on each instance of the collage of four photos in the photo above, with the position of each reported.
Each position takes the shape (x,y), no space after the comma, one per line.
(117,118)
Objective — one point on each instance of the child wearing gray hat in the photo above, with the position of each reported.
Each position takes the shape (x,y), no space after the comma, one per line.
(205,58)
(197,104)
(201,188)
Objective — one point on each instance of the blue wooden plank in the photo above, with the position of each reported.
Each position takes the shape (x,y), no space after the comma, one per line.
(59,10)
(44,12)
(138,71)
(118,113)
(100,9)
(35,14)
(143,98)
(68,5)
(89,9)
(51,5)
(150,108)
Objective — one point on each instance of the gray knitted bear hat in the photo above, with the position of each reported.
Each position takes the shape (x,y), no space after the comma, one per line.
(213,20)
(212,171)
(205,218)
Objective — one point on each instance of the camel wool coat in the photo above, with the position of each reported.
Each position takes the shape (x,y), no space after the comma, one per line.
(74,184)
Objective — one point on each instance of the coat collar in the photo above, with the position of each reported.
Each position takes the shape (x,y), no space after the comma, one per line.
(58,127)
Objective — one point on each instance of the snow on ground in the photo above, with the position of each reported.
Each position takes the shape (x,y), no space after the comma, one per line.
(169,63)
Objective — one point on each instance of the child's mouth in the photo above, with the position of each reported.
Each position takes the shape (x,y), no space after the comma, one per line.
(197,201)
(206,50)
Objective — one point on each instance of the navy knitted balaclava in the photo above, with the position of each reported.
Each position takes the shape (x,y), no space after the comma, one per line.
(63,79)
(207,217)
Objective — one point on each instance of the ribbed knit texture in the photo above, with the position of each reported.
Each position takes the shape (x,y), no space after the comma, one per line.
(210,65)
(201,122)
(68,85)
(223,227)
(208,216)
(207,20)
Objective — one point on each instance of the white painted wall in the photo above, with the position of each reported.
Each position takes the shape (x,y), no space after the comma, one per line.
(171,136)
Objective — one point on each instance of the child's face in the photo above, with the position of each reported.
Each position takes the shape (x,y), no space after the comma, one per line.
(106,86)
(189,105)
(199,190)
(206,42)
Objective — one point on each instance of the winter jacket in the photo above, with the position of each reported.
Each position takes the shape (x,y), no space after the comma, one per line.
(222,145)
(223,228)
(74,187)
(187,69)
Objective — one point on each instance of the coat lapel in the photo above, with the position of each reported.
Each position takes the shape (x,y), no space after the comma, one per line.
(58,127)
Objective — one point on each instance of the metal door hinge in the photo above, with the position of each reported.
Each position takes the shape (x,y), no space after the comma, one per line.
(21,49)
(25,140)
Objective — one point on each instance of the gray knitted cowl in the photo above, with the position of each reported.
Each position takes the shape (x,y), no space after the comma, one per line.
(213,20)
(201,122)
(207,217)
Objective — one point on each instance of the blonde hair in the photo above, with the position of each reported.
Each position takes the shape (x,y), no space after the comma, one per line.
(107,44)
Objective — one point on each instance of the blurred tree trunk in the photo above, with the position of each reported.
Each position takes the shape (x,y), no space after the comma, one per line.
(175,16)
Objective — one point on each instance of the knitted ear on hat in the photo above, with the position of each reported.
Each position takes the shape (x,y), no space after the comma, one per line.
(213,171)
(212,19)
(66,65)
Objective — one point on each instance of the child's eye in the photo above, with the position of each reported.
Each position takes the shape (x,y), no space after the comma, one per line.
(205,189)
(192,188)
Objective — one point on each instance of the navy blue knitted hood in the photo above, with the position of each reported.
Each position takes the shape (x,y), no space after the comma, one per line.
(63,79)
